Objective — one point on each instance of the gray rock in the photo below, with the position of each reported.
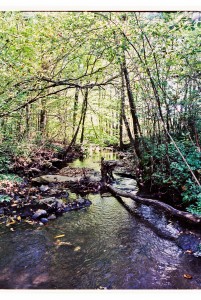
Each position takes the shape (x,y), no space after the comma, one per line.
(81,201)
(44,188)
(88,202)
(34,170)
(55,179)
(48,200)
(52,217)
(60,203)
(39,213)
(44,220)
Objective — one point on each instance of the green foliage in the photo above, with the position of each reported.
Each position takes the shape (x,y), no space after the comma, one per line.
(5,198)
(192,195)
(10,177)
(5,156)
(9,149)
(166,168)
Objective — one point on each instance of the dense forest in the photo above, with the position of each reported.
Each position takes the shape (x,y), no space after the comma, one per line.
(129,80)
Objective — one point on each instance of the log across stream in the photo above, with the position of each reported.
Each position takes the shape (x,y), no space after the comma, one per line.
(107,168)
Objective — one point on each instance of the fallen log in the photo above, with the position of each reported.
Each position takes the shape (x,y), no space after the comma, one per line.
(166,207)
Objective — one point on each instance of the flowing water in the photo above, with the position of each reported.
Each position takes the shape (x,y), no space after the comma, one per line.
(104,246)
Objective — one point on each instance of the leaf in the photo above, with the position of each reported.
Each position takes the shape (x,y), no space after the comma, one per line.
(18,218)
(59,236)
(189,251)
(77,248)
(10,223)
(188,276)
(59,243)
(30,222)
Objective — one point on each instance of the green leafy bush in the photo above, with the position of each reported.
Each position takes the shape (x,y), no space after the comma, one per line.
(164,168)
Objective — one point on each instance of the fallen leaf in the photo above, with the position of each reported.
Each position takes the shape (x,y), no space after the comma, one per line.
(59,236)
(11,229)
(10,223)
(29,222)
(59,243)
(77,248)
(184,188)
(18,218)
(189,251)
(187,276)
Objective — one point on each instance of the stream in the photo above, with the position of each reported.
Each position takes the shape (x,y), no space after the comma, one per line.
(104,246)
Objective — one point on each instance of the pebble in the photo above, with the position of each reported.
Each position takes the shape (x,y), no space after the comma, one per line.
(44,220)
(81,201)
(44,188)
(88,202)
(60,203)
(39,213)
(52,217)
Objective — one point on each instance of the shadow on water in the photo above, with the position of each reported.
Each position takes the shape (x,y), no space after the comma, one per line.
(102,246)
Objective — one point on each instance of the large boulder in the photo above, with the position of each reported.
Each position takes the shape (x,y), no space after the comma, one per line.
(55,179)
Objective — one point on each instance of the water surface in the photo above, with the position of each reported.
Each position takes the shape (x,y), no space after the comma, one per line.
(105,246)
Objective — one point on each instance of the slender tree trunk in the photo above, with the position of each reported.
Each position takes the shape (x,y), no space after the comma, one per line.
(28,116)
(42,123)
(84,115)
(75,108)
(132,109)
(73,141)
(65,122)
(123,115)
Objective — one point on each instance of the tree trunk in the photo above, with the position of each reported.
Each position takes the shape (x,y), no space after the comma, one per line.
(123,118)
(169,209)
(42,121)
(84,115)
(132,109)
(28,116)
(75,108)
(73,141)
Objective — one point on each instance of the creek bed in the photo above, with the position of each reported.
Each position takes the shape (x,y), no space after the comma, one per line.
(102,246)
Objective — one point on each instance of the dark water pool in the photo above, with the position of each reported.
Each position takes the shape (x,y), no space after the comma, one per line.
(104,246)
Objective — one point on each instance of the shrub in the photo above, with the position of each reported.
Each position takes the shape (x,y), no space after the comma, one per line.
(164,168)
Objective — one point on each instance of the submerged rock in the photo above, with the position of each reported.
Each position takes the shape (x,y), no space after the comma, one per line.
(188,242)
